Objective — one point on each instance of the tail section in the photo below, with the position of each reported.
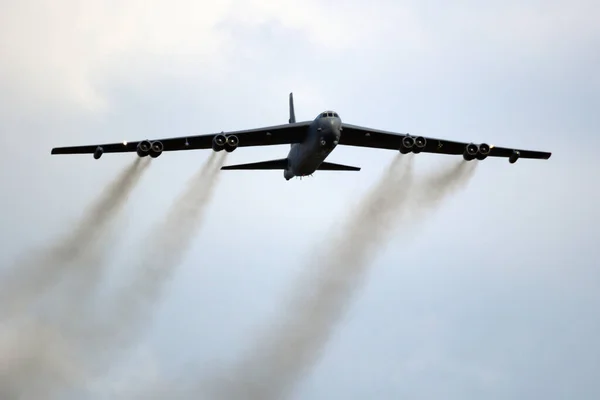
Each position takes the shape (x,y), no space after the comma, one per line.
(292,119)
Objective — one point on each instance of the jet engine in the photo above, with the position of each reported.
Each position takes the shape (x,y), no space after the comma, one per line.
(483,152)
(232,143)
(407,144)
(156,149)
(484,149)
(514,157)
(470,152)
(98,153)
(219,142)
(420,143)
(143,148)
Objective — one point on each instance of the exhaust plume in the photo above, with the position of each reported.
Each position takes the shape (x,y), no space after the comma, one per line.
(437,186)
(40,362)
(163,252)
(103,338)
(31,277)
(290,349)
(36,360)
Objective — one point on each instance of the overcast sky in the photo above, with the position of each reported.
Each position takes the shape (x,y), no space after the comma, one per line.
(495,296)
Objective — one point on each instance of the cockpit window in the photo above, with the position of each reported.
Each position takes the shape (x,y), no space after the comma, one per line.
(328,114)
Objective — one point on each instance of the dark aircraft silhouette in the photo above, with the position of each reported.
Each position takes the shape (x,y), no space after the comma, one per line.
(310,141)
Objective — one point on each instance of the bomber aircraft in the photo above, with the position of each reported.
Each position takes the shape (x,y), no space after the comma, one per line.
(310,144)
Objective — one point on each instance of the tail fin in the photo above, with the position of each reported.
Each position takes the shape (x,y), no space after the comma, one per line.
(292,119)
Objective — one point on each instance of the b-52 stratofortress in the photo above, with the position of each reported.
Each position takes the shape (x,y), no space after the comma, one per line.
(310,141)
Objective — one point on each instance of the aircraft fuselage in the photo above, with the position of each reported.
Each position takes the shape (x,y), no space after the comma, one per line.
(323,136)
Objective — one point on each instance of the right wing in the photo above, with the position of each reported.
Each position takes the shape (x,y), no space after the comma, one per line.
(271,135)
(353,135)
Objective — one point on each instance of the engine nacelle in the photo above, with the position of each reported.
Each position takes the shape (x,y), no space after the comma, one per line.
(98,153)
(232,143)
(219,142)
(420,143)
(143,148)
(470,152)
(407,144)
(514,157)
(156,149)
(484,149)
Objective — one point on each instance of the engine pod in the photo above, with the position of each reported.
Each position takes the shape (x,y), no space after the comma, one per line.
(233,140)
(471,149)
(232,143)
(98,153)
(470,152)
(406,144)
(157,146)
(219,142)
(420,142)
(156,149)
(143,148)
(484,149)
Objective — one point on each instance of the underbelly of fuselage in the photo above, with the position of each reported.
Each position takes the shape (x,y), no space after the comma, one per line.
(310,164)
(305,158)
(310,158)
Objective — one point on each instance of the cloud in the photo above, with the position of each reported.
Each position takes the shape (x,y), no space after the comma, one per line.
(60,52)
(65,54)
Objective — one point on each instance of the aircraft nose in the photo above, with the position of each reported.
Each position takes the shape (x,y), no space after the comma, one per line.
(335,125)
(335,131)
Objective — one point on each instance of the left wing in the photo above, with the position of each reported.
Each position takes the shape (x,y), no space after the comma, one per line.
(353,135)
(271,135)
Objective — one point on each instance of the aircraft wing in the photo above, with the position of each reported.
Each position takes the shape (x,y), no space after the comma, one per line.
(353,135)
(270,135)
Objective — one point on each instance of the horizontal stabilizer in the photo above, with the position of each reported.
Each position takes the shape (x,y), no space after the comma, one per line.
(272,164)
(327,166)
(283,163)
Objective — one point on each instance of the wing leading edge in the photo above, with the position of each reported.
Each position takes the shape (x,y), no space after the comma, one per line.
(229,141)
(353,135)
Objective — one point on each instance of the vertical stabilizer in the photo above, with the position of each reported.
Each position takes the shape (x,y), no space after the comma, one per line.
(292,119)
